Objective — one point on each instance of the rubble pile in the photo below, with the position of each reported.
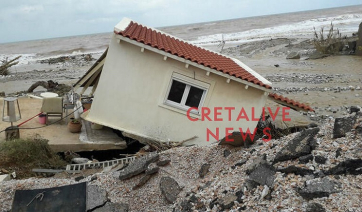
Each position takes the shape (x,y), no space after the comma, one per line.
(318,169)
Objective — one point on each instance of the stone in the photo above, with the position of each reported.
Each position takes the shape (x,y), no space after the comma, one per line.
(113,207)
(338,152)
(142,181)
(204,170)
(343,125)
(241,162)
(306,158)
(151,171)
(163,162)
(95,197)
(227,153)
(318,188)
(317,55)
(351,166)
(238,140)
(293,55)
(80,160)
(255,163)
(79,178)
(296,170)
(320,159)
(353,109)
(169,188)
(138,166)
(312,125)
(302,144)
(315,207)
(239,194)
(265,192)
(227,202)
(264,174)
(250,184)
(4,177)
(186,206)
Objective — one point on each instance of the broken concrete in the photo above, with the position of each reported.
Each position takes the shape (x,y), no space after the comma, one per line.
(113,207)
(343,125)
(264,174)
(138,166)
(293,55)
(204,170)
(296,170)
(95,197)
(317,188)
(142,181)
(169,188)
(352,166)
(302,144)
(238,140)
(153,170)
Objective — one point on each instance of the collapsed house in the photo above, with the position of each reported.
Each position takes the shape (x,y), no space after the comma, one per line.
(152,85)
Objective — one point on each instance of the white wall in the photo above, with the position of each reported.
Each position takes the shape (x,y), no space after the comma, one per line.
(133,86)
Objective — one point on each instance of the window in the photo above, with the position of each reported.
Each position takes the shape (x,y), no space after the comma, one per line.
(184,94)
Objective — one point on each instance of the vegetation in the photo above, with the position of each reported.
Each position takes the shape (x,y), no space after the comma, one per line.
(330,43)
(5,65)
(22,156)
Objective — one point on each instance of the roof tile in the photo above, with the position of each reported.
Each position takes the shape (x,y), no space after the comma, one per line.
(290,101)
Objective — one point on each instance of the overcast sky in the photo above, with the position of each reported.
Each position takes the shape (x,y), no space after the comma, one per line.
(38,19)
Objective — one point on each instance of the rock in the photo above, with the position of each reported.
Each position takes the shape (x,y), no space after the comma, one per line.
(263,174)
(351,166)
(227,202)
(317,188)
(239,194)
(353,109)
(293,55)
(186,206)
(80,160)
(343,125)
(255,163)
(169,188)
(79,178)
(338,152)
(238,140)
(315,207)
(138,166)
(250,184)
(305,158)
(95,197)
(241,162)
(320,159)
(296,170)
(226,153)
(204,170)
(113,207)
(142,181)
(302,144)
(151,171)
(312,125)
(163,162)
(317,55)
(265,192)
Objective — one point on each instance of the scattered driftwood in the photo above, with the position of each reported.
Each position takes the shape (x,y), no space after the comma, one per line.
(4,67)
(52,86)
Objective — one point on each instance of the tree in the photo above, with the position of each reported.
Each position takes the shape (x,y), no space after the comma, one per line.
(4,67)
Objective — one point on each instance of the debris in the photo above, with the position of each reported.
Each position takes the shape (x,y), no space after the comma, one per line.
(293,55)
(351,166)
(317,188)
(320,159)
(95,197)
(296,170)
(315,207)
(265,192)
(343,125)
(264,174)
(13,174)
(169,188)
(80,160)
(227,202)
(226,153)
(4,177)
(204,170)
(151,171)
(301,145)
(138,166)
(163,162)
(142,181)
(306,158)
(113,207)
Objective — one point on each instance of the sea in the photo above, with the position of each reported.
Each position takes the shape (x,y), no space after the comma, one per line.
(235,31)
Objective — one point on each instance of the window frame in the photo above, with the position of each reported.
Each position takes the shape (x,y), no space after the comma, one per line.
(189,82)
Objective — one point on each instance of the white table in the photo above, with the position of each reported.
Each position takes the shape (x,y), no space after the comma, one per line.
(49,94)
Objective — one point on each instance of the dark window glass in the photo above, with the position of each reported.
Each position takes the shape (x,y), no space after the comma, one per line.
(176,91)
(194,97)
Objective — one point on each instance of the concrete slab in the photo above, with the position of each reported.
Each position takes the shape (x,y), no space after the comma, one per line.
(60,139)
(4,177)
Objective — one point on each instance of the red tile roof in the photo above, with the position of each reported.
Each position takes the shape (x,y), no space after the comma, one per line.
(290,101)
(174,46)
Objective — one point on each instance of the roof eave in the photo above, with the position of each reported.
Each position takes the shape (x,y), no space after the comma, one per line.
(120,37)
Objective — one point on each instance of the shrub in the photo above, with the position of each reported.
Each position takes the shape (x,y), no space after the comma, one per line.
(330,43)
(22,156)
